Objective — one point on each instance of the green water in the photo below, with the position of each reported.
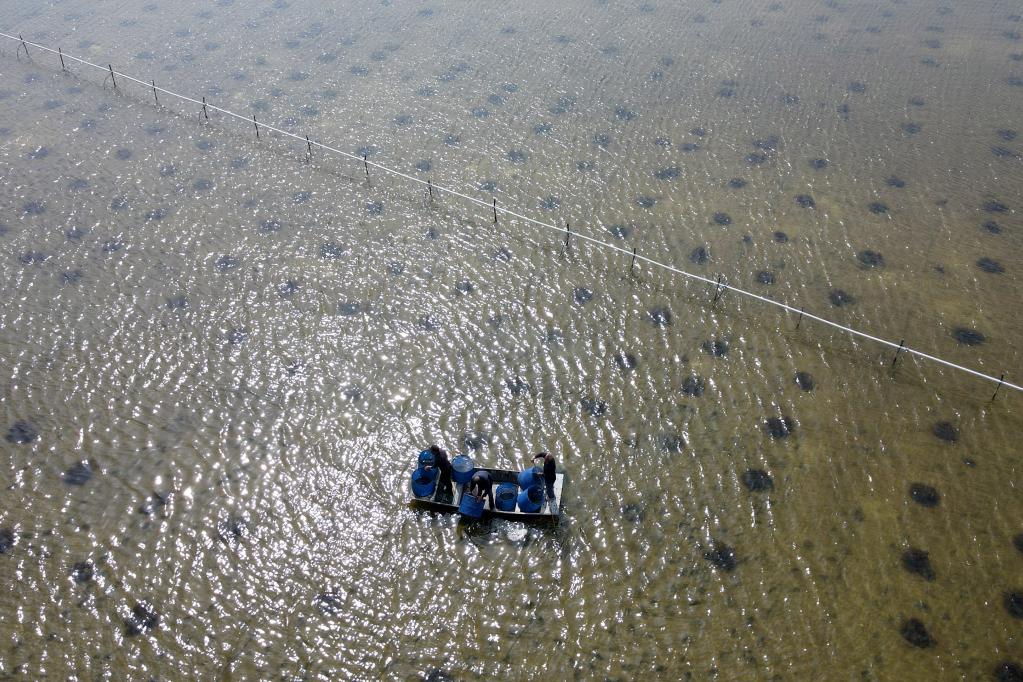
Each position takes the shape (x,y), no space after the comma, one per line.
(248,348)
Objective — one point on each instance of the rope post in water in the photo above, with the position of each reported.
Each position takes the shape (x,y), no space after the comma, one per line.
(63,67)
(23,44)
(717,289)
(568,233)
(365,162)
(309,145)
(154,94)
(902,343)
(1001,380)
(429,187)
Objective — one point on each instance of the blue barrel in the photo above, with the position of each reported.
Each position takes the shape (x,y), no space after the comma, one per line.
(462,468)
(531,477)
(531,499)
(424,481)
(426,458)
(471,507)
(507,494)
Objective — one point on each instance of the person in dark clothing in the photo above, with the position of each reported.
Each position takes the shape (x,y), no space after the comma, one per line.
(443,464)
(480,485)
(550,471)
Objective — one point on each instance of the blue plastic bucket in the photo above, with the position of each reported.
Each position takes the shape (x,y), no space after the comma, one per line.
(462,469)
(424,482)
(471,507)
(506,497)
(531,477)
(531,499)
(426,458)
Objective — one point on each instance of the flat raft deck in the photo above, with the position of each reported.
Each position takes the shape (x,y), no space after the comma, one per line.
(499,476)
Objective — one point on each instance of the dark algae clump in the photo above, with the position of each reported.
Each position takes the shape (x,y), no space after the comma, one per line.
(593,407)
(1007,671)
(968,337)
(715,347)
(870,259)
(660,316)
(924,495)
(21,433)
(517,385)
(78,474)
(332,250)
(805,381)
(990,265)
(779,427)
(945,431)
(82,572)
(143,618)
(6,540)
(915,632)
(757,480)
(626,361)
(919,562)
(721,556)
(1013,603)
(633,513)
(693,386)
(839,298)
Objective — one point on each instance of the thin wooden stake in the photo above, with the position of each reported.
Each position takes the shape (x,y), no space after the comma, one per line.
(365,162)
(61,53)
(112,79)
(154,93)
(568,233)
(23,45)
(495,211)
(633,264)
(901,344)
(1001,379)
(310,146)
(717,289)
(429,186)
(204,112)
(256,125)
(800,318)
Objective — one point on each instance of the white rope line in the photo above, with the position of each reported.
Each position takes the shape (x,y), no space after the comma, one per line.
(901,347)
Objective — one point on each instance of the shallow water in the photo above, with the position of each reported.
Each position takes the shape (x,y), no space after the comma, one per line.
(247,349)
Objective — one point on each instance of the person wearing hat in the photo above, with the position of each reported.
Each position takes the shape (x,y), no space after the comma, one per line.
(436,456)
(482,485)
(550,474)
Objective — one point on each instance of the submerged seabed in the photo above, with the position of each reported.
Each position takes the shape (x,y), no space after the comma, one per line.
(219,358)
